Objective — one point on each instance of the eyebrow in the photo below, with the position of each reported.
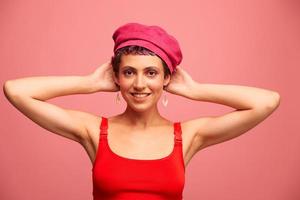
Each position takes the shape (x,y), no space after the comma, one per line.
(150,67)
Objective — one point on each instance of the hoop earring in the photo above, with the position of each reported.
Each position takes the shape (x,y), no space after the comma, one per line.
(118,98)
(165,100)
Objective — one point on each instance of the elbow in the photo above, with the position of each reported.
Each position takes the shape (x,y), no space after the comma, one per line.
(269,103)
(8,90)
(275,102)
(269,106)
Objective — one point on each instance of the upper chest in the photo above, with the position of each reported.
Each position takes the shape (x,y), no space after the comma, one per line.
(151,143)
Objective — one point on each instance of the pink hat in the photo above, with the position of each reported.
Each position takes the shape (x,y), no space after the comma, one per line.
(153,38)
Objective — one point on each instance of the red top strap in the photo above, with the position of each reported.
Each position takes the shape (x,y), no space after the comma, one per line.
(177,128)
(104,126)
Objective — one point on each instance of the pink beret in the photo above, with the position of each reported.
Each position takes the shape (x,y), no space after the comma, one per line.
(153,38)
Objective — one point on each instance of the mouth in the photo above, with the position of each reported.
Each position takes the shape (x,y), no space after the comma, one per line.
(140,96)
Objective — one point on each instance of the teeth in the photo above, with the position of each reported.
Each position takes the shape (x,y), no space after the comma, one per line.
(140,95)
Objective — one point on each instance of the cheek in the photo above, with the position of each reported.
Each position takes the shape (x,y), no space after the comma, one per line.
(125,83)
(155,86)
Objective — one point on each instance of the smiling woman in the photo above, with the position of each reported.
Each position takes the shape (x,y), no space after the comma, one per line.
(129,71)
(141,79)
(135,154)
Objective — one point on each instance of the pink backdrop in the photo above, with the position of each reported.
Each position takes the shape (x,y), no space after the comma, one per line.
(252,42)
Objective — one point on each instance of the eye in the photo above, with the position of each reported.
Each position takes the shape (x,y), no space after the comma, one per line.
(125,72)
(152,73)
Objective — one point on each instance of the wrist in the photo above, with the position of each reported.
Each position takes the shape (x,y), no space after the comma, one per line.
(90,84)
(192,91)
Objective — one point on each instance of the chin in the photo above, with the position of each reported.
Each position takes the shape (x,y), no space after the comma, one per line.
(145,107)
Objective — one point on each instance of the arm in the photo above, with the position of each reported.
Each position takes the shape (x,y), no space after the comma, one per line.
(29,96)
(235,96)
(252,105)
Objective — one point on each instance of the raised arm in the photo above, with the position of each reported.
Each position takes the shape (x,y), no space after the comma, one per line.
(29,96)
(252,105)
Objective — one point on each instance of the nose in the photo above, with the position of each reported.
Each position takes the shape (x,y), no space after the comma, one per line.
(139,82)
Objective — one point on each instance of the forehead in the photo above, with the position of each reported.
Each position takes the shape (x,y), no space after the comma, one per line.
(140,61)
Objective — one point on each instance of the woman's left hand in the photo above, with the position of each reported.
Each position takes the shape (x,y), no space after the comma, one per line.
(180,83)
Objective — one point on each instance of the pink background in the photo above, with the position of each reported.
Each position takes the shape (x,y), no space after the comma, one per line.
(252,42)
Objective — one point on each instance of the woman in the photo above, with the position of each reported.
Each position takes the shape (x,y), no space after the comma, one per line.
(139,154)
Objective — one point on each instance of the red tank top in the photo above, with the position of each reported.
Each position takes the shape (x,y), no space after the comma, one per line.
(119,178)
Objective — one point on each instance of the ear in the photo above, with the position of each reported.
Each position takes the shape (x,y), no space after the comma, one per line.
(116,79)
(167,80)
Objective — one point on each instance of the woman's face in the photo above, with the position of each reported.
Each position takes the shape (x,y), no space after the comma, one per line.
(143,74)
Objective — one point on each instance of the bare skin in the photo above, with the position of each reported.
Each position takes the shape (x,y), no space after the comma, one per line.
(140,125)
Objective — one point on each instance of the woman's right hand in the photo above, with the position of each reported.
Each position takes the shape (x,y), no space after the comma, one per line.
(103,78)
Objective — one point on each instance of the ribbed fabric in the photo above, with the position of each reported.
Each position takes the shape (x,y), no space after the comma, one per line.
(119,178)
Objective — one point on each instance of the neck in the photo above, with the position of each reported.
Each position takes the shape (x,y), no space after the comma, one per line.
(142,120)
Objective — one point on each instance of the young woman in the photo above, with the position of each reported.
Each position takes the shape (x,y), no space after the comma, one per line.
(139,154)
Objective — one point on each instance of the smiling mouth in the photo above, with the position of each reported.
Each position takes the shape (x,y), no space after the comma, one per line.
(140,95)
